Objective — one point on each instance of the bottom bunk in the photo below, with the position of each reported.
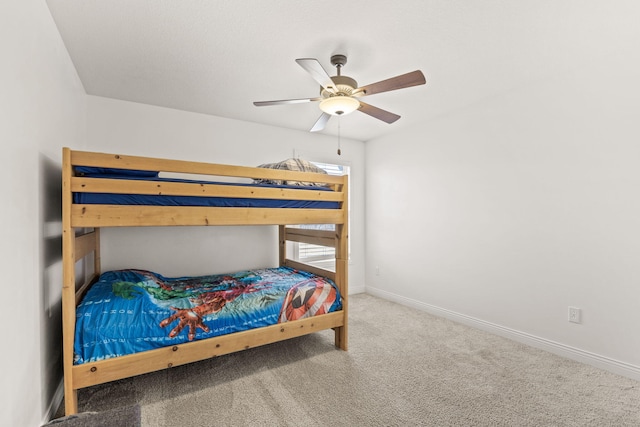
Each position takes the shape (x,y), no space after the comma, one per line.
(129,311)
(189,319)
(90,374)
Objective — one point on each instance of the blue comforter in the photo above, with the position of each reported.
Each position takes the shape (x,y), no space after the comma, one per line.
(129,311)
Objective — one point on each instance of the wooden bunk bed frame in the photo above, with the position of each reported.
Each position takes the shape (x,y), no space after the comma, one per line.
(81,241)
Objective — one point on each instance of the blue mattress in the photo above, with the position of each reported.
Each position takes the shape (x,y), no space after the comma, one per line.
(130,311)
(166,200)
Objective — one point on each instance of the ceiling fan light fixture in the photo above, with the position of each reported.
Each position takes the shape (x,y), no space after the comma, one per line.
(339,105)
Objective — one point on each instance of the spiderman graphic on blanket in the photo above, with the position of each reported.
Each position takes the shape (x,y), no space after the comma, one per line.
(128,311)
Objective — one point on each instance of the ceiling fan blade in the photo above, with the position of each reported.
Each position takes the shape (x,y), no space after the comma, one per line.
(378,113)
(285,101)
(321,122)
(413,78)
(313,67)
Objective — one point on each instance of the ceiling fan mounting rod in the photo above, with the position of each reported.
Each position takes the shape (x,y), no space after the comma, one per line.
(338,61)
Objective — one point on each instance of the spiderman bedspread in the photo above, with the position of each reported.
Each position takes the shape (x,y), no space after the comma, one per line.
(129,311)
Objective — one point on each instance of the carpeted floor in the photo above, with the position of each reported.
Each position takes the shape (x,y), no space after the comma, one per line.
(127,416)
(404,367)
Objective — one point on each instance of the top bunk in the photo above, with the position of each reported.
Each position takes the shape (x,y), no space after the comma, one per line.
(113,190)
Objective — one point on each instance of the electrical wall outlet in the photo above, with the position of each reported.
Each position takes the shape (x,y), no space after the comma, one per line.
(575,315)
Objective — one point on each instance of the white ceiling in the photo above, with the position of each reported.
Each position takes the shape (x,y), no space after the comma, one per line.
(218,56)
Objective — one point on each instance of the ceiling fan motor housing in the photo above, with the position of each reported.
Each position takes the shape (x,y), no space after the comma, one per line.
(344,87)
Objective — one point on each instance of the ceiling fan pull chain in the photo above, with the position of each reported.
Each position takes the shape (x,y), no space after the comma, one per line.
(339,152)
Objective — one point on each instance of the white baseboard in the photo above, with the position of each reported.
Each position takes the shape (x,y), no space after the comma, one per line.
(617,367)
(356,290)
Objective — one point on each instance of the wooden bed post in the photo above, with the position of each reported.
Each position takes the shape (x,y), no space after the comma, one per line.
(68,287)
(97,262)
(282,245)
(342,268)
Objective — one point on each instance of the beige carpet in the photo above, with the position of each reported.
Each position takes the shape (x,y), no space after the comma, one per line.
(404,368)
(126,416)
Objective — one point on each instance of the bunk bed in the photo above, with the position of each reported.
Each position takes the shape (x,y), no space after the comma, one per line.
(111,190)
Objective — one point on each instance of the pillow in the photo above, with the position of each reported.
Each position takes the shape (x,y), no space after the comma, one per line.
(91,171)
(299,165)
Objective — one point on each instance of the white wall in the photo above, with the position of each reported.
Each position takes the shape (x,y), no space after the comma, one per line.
(42,108)
(129,128)
(515,208)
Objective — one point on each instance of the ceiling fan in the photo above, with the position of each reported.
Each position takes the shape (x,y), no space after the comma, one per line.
(340,95)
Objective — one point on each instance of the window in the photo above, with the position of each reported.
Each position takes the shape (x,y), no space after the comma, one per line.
(320,256)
